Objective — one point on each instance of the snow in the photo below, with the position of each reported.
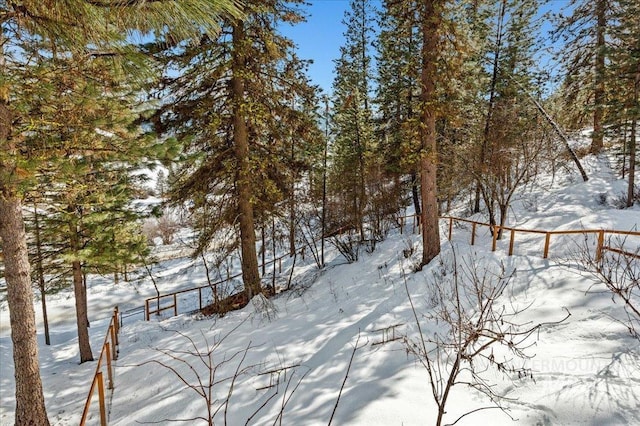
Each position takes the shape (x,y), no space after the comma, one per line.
(585,370)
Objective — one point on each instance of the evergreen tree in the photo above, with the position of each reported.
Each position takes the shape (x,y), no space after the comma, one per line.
(84,110)
(398,89)
(624,89)
(512,137)
(352,116)
(431,21)
(235,123)
(75,25)
(584,50)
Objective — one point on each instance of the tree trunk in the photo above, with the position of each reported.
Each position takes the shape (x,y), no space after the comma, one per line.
(632,139)
(632,163)
(415,194)
(599,91)
(431,22)
(40,273)
(250,272)
(491,106)
(292,202)
(324,180)
(30,408)
(80,294)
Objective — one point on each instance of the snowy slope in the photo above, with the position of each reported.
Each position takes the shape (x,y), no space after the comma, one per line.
(585,370)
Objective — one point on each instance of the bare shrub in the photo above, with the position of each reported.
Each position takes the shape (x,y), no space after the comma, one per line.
(476,332)
(618,268)
(164,227)
(199,370)
(167,228)
(347,245)
(310,234)
(185,364)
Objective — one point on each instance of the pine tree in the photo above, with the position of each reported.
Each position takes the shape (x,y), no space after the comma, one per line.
(512,137)
(84,111)
(235,125)
(398,89)
(74,25)
(585,47)
(625,87)
(431,20)
(352,116)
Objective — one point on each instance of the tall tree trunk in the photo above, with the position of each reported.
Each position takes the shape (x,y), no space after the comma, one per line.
(491,106)
(632,138)
(292,200)
(40,273)
(80,294)
(415,194)
(250,272)
(632,161)
(324,179)
(30,408)
(431,22)
(599,91)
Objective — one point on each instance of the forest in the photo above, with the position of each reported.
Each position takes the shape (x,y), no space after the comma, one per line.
(206,111)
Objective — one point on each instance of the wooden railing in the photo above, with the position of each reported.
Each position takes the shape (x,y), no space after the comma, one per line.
(495,232)
(161,304)
(170,301)
(108,353)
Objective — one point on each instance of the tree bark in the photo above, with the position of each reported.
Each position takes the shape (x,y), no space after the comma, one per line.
(40,273)
(415,195)
(250,271)
(632,163)
(30,408)
(80,294)
(632,139)
(599,91)
(431,22)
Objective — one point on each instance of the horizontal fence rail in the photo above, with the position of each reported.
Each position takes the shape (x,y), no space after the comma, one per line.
(108,353)
(171,301)
(603,235)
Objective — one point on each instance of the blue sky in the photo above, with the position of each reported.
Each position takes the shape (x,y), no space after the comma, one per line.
(320,38)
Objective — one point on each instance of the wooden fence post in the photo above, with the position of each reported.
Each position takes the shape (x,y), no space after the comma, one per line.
(107,347)
(473,233)
(600,245)
(496,230)
(114,340)
(103,408)
(200,297)
(146,309)
(450,226)
(116,317)
(547,240)
(175,305)
(511,239)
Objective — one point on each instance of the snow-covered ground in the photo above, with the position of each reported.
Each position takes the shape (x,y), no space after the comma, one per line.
(585,370)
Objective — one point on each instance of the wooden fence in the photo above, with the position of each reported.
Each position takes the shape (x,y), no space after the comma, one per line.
(108,353)
(170,301)
(602,235)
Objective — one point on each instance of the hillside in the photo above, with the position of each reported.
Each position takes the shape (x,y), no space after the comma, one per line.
(583,370)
